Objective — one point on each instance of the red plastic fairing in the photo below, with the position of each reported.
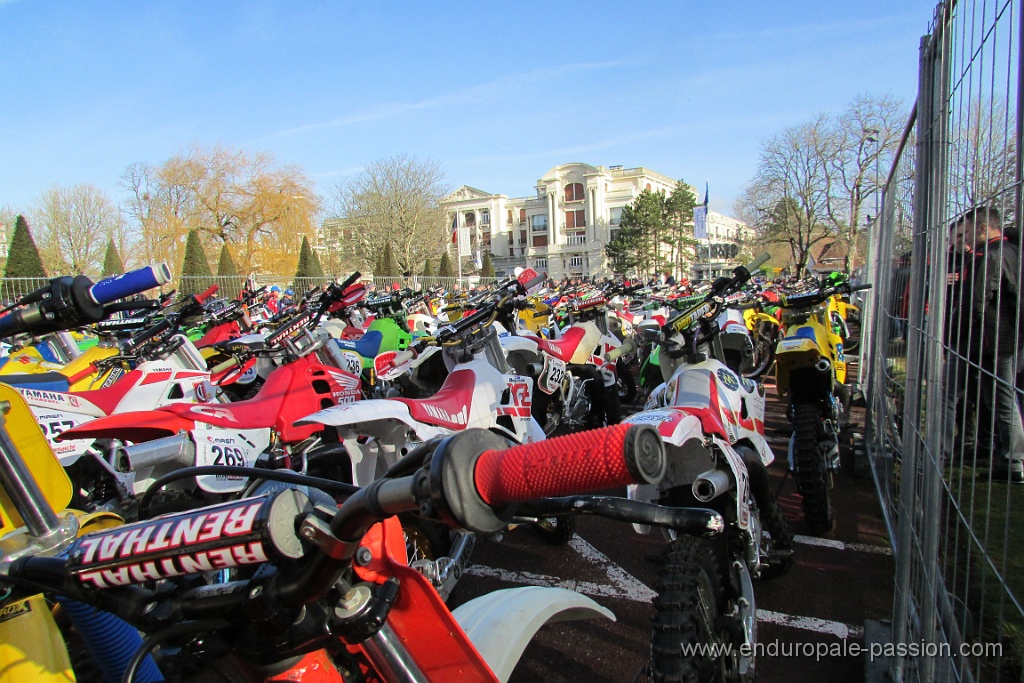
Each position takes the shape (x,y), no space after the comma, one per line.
(571,464)
(314,667)
(221,333)
(420,618)
(293,391)
(144,425)
(107,399)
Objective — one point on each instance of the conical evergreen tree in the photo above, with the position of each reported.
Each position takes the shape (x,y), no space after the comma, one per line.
(23,257)
(226,265)
(389,265)
(309,273)
(112,264)
(428,268)
(486,267)
(445,269)
(230,281)
(196,276)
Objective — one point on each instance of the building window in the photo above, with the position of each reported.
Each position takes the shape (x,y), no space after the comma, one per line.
(539,223)
(470,220)
(574,192)
(575,219)
(616,216)
(540,241)
(522,215)
(540,264)
(509,219)
(576,238)
(485,217)
(575,261)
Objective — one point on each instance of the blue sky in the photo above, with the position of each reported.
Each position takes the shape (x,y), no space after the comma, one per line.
(496,93)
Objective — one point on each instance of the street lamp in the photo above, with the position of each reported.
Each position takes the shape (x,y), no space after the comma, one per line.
(872,136)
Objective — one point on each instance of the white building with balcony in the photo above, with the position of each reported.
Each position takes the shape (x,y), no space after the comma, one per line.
(563,230)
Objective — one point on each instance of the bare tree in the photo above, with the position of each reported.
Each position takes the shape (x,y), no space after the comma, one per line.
(867,135)
(813,179)
(982,159)
(230,196)
(395,201)
(789,198)
(74,225)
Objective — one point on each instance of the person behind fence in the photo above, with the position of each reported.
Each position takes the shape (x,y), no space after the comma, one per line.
(984,333)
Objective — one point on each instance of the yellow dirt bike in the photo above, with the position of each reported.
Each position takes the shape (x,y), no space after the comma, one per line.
(810,366)
(34,519)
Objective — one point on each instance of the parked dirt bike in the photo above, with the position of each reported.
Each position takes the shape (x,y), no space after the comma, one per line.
(237,434)
(479,391)
(312,592)
(579,386)
(712,422)
(810,376)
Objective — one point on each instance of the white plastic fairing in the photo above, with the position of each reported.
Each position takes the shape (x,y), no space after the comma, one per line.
(501,624)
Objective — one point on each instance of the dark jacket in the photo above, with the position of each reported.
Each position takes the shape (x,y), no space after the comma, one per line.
(994,298)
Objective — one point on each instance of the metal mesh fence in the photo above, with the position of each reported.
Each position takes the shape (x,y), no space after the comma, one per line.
(944,430)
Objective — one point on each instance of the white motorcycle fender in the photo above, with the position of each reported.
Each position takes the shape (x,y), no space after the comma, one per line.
(359,413)
(502,623)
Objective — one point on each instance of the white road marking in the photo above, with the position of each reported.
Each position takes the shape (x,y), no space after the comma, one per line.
(835,628)
(621,584)
(839,545)
(625,586)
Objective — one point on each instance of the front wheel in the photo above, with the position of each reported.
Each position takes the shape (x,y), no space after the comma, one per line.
(764,354)
(812,477)
(688,622)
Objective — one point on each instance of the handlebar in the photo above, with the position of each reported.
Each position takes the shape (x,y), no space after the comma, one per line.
(68,302)
(131,283)
(470,479)
(213,289)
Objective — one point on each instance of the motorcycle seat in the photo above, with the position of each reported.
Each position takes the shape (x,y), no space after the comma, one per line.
(367,346)
(564,347)
(450,406)
(43,381)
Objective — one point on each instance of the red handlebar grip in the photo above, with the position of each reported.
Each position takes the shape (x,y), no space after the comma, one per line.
(201,298)
(572,464)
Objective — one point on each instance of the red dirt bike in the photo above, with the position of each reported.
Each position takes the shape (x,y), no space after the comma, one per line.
(241,433)
(323,593)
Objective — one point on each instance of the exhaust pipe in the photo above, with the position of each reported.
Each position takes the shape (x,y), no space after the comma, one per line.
(710,485)
(824,366)
(177,449)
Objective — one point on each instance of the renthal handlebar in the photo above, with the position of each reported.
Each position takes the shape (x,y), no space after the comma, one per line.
(469,480)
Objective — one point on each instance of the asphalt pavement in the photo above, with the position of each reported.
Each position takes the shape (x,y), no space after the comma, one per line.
(810,621)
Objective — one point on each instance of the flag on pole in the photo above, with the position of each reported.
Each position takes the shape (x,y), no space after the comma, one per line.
(455,229)
(700,216)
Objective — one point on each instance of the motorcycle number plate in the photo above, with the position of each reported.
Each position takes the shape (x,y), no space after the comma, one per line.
(353,363)
(552,375)
(52,423)
(233,448)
